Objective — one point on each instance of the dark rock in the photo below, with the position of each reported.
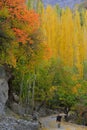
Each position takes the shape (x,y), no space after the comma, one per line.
(2,73)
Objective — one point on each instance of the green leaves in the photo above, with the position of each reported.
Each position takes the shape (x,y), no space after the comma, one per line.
(4,14)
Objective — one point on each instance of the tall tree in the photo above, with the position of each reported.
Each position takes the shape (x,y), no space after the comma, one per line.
(21,45)
(17,27)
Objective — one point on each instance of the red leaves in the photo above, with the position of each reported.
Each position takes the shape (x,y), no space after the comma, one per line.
(21,35)
(29,20)
(33,19)
(18,10)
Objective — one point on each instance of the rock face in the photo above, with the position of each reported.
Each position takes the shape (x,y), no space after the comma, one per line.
(3,90)
(6,122)
(10,123)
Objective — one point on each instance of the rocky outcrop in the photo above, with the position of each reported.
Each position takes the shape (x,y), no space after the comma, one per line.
(17,108)
(3,90)
(10,123)
(7,121)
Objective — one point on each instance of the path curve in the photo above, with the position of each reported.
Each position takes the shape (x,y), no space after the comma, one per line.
(49,123)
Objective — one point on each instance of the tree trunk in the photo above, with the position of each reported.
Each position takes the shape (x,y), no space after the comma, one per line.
(33,92)
(21,88)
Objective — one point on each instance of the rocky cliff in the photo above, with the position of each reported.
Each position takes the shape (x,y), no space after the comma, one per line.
(8,121)
(3,90)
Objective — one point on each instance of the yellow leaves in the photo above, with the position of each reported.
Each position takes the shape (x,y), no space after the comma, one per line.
(11,54)
(76,88)
(50,26)
(78,44)
(66,42)
(11,59)
(4,13)
(74,78)
(66,37)
(52,89)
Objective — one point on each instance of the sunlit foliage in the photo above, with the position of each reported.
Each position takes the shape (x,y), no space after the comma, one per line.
(66,36)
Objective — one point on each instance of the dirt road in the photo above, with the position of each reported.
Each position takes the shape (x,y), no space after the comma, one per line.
(49,123)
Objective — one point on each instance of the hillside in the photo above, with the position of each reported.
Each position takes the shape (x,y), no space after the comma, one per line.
(63,3)
(84,4)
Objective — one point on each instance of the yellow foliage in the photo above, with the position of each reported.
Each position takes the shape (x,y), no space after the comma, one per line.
(50,26)
(65,36)
(74,90)
(53,88)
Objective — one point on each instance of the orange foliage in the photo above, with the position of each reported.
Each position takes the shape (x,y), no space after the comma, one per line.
(18,11)
(47,52)
(21,35)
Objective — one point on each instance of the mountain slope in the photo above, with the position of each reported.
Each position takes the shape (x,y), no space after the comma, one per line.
(84,4)
(62,3)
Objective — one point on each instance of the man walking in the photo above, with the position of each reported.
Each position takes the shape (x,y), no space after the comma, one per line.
(58,119)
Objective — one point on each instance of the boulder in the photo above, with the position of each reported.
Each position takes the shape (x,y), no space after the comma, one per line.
(17,108)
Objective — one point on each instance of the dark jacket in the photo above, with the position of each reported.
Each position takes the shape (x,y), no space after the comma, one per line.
(58,118)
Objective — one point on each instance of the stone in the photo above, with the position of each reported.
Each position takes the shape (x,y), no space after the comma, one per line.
(3,95)
(3,90)
(17,108)
(2,109)
(15,98)
(10,123)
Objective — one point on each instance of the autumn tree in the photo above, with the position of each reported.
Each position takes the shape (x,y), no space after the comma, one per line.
(50,27)
(65,34)
(20,44)
(37,5)
(66,41)
(17,25)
